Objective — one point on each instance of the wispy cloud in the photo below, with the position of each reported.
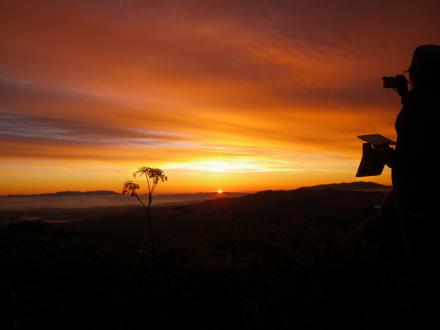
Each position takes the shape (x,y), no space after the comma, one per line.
(268,86)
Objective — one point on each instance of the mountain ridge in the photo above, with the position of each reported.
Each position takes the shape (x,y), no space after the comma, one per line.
(348,186)
(67,193)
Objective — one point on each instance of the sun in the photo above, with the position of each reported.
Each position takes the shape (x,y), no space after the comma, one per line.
(219,191)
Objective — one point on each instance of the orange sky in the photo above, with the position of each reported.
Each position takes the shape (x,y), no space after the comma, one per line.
(235,95)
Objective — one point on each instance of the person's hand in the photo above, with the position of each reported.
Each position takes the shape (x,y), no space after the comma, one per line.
(385,153)
(385,147)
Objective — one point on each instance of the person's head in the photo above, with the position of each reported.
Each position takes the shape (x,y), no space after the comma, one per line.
(425,66)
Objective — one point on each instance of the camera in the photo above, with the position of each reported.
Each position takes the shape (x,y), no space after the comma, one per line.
(399,83)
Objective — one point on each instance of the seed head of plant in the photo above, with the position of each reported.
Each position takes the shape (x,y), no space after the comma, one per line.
(130,188)
(155,174)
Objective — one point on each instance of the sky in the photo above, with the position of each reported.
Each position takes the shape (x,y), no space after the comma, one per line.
(232,95)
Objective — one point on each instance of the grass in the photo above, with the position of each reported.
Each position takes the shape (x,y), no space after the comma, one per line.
(311,274)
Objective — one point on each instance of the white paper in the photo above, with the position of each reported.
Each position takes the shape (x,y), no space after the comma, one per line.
(376,139)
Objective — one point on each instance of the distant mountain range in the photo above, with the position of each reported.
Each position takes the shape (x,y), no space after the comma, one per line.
(345,186)
(109,193)
(351,186)
(340,201)
(347,194)
(67,194)
(101,198)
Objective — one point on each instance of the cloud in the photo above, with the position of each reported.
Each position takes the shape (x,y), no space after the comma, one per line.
(180,82)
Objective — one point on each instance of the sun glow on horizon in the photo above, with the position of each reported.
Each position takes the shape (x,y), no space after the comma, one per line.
(232,165)
(219,191)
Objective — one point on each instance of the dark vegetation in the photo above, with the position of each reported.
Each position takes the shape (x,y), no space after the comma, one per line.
(272,260)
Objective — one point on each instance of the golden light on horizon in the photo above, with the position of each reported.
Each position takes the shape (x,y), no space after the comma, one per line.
(219,191)
(231,164)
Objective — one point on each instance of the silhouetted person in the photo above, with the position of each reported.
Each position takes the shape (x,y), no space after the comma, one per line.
(415,165)
(416,175)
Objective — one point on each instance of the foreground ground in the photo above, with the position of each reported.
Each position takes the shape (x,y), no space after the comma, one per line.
(309,274)
(272,260)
